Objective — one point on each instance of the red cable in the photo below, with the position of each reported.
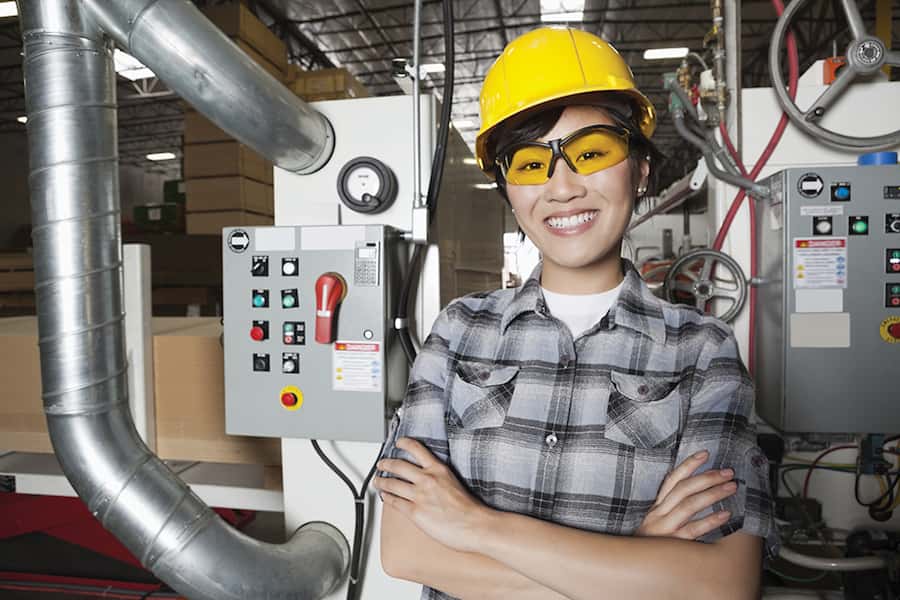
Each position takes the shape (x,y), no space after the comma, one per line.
(815,461)
(793,76)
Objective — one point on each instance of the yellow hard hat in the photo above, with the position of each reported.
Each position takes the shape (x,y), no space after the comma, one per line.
(547,64)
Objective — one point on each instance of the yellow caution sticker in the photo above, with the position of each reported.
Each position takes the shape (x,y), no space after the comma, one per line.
(890,330)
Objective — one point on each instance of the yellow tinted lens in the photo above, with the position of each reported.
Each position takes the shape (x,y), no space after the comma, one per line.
(596,150)
(528,166)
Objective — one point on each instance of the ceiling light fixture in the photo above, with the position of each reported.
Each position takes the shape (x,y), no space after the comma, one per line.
(664,53)
(23,119)
(470,160)
(131,68)
(485,186)
(464,124)
(8,9)
(157,156)
(562,11)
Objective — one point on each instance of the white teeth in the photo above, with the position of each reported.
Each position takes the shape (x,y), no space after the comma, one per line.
(571,221)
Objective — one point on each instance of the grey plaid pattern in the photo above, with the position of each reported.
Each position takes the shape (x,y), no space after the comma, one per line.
(582,432)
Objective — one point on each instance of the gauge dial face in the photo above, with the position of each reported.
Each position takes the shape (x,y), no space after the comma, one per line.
(363,183)
(367,185)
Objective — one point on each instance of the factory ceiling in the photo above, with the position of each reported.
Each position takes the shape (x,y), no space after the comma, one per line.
(365,35)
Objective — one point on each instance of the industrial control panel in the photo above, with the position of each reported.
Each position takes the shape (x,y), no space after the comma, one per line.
(309,348)
(828,323)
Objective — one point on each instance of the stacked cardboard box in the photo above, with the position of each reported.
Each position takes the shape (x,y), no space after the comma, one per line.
(325,84)
(226,182)
(189,394)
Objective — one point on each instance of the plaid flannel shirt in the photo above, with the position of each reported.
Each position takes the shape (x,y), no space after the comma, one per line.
(582,432)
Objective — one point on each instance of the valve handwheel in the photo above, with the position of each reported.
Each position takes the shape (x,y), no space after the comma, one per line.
(693,277)
(865,55)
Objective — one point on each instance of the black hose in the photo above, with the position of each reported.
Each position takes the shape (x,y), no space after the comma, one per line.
(359,499)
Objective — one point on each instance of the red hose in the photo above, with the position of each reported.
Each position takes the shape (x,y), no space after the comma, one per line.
(793,76)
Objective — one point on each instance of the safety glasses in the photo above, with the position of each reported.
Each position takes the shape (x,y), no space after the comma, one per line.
(586,151)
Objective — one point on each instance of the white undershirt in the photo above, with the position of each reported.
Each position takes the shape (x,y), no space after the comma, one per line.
(580,312)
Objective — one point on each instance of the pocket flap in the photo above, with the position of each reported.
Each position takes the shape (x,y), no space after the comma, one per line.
(644,388)
(480,395)
(485,374)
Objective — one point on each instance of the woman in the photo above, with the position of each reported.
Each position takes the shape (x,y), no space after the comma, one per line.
(547,443)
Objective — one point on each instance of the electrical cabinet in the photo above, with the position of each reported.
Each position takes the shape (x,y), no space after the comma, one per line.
(828,317)
(309,346)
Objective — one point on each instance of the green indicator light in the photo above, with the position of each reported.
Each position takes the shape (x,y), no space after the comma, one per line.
(895,254)
(258,301)
(288,301)
(895,289)
(860,226)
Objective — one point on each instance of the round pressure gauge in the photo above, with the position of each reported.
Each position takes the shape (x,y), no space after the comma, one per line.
(367,185)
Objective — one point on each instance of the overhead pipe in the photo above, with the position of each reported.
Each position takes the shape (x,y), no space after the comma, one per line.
(71,105)
(197,61)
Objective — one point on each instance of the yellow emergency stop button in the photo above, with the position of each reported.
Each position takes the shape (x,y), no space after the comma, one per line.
(291,398)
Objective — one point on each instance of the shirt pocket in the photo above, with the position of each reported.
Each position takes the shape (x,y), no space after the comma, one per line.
(644,411)
(480,395)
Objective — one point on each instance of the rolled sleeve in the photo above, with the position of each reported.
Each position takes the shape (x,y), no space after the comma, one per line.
(718,420)
(422,414)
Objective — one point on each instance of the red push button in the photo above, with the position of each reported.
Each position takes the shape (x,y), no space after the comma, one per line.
(895,301)
(289,399)
(258,333)
(894,330)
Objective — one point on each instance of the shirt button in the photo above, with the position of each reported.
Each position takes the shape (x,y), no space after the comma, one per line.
(643,389)
(551,440)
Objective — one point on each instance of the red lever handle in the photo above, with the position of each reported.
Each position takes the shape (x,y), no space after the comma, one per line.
(331,289)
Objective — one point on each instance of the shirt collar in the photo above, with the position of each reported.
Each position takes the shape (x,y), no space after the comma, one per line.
(636,307)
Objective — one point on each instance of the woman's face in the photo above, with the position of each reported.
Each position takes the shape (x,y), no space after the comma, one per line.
(577,220)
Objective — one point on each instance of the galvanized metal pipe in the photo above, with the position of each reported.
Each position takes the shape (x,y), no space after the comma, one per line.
(70,97)
(196,60)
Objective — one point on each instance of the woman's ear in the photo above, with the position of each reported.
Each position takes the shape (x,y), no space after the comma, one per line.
(645,173)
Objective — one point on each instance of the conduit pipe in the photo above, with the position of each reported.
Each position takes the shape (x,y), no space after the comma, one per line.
(196,60)
(70,96)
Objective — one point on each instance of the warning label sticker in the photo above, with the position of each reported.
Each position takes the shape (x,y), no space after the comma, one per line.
(357,367)
(820,263)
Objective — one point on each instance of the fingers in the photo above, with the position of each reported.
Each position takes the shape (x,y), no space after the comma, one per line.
(682,471)
(701,527)
(418,451)
(395,487)
(693,485)
(400,468)
(696,503)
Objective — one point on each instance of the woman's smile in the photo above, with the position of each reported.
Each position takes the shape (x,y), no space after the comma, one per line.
(570,223)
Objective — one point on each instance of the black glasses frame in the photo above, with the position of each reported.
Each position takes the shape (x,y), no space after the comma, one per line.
(505,157)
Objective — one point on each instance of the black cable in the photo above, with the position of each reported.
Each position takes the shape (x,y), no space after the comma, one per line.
(434,183)
(879,502)
(359,500)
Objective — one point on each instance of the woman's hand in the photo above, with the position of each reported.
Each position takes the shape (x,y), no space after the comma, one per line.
(683,495)
(432,497)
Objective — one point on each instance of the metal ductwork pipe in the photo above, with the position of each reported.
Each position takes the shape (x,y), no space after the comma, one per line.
(196,60)
(70,95)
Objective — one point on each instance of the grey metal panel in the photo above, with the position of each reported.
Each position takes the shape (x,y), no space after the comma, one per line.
(850,389)
(252,399)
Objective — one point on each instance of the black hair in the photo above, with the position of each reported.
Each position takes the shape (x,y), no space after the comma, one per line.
(536,124)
